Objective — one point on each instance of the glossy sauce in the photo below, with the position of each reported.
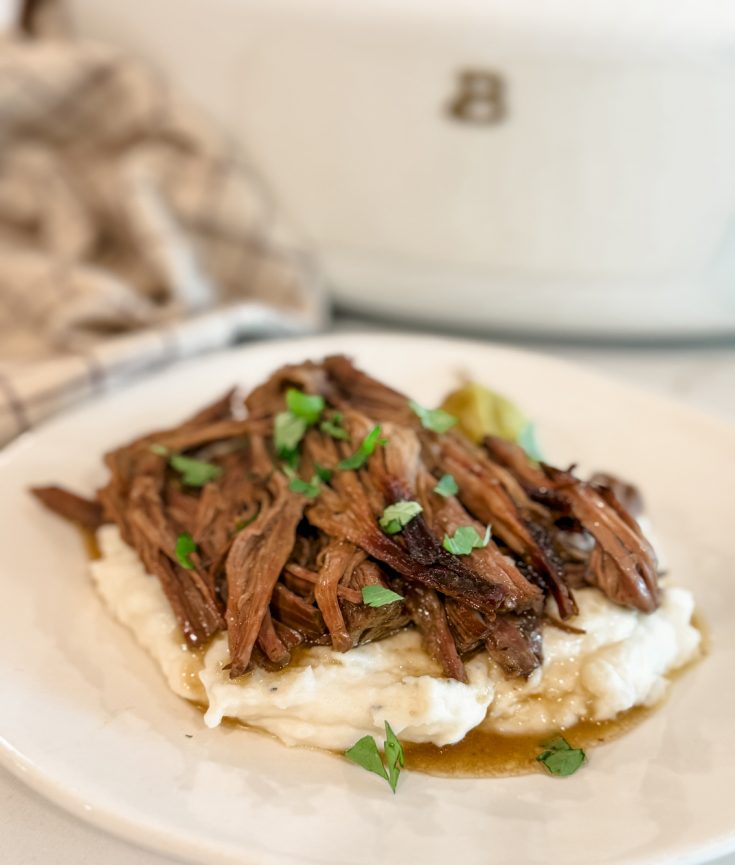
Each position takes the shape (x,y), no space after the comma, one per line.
(91,547)
(484,754)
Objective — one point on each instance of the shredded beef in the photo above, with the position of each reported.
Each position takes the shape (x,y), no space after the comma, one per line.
(287,541)
(84,512)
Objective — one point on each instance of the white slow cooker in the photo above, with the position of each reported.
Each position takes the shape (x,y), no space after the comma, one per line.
(544,166)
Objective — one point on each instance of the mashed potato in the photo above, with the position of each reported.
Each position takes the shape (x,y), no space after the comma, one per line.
(329,700)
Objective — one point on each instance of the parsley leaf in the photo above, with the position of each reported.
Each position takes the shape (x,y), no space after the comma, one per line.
(560,758)
(194,473)
(435,419)
(291,459)
(288,431)
(332,426)
(306,406)
(558,743)
(398,515)
(310,489)
(303,411)
(366,754)
(393,756)
(465,540)
(323,473)
(184,547)
(379,596)
(527,440)
(446,486)
(365,450)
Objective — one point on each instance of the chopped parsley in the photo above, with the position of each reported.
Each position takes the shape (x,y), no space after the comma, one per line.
(365,753)
(559,758)
(310,489)
(527,440)
(365,450)
(194,473)
(306,406)
(323,473)
(302,411)
(398,515)
(332,426)
(435,419)
(465,540)
(288,431)
(446,486)
(185,546)
(379,596)
(291,459)
(393,756)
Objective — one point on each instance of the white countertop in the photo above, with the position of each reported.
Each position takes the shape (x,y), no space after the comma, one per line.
(35,832)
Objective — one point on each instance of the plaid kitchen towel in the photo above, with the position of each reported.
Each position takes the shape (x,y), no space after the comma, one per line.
(131,233)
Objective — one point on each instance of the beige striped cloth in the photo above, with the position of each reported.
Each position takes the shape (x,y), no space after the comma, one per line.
(131,232)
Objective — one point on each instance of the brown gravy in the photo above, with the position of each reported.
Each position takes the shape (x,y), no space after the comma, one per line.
(91,546)
(484,754)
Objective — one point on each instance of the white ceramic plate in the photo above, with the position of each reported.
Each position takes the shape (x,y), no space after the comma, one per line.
(86,718)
